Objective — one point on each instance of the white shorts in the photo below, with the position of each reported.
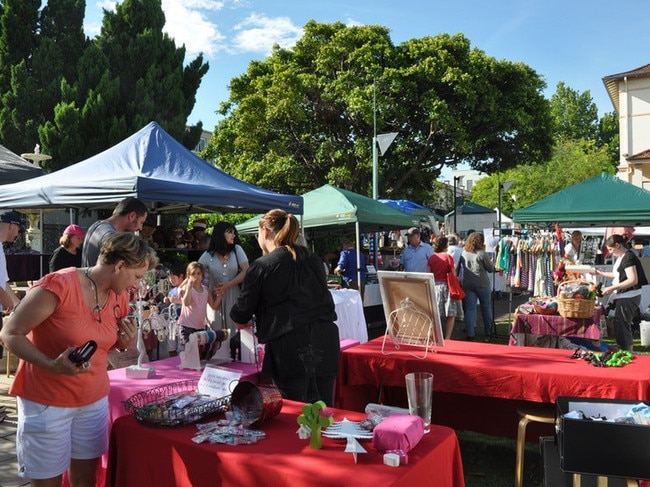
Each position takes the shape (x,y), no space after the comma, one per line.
(48,437)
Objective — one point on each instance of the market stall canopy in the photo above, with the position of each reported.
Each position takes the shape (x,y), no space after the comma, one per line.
(152,166)
(329,209)
(418,212)
(14,168)
(604,200)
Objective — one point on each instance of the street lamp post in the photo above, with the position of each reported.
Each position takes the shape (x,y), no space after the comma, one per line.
(456,181)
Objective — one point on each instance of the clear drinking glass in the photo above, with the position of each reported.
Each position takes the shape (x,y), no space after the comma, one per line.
(419,389)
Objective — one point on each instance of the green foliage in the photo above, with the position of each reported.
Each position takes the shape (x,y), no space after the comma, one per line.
(572,162)
(305,116)
(77,97)
(574,114)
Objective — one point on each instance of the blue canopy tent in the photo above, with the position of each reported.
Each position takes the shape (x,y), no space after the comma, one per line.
(152,166)
(417,211)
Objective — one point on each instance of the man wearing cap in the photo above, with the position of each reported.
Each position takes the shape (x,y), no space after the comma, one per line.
(129,216)
(68,254)
(415,256)
(10,226)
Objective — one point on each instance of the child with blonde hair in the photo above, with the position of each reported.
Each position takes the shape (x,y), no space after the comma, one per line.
(195,298)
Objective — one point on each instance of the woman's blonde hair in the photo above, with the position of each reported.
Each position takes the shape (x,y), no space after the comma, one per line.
(475,241)
(286,231)
(127,247)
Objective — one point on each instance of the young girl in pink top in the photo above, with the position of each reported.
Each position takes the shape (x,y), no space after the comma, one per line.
(195,298)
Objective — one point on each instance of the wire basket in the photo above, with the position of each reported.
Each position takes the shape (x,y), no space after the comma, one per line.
(174,404)
(573,307)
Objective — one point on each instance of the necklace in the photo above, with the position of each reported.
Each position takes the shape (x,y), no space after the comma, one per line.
(97,309)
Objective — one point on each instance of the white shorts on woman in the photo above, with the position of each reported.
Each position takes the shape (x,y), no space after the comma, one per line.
(48,437)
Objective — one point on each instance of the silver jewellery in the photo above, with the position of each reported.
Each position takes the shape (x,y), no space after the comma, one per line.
(97,309)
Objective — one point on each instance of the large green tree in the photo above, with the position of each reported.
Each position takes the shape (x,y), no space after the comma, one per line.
(131,74)
(20,95)
(305,116)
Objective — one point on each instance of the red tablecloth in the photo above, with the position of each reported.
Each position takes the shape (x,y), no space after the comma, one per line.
(478,386)
(142,455)
(557,325)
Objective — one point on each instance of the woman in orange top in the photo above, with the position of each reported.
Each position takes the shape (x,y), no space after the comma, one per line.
(63,406)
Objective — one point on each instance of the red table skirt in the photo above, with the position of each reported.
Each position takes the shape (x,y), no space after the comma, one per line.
(142,455)
(479,386)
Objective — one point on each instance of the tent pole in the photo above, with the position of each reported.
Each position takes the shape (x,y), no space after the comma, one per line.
(356,228)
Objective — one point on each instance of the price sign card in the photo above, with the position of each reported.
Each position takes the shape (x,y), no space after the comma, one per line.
(218,381)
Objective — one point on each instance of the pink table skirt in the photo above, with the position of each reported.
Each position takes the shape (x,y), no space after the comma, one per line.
(537,324)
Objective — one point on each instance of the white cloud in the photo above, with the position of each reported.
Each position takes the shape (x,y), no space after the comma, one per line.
(258,33)
(187,23)
(353,23)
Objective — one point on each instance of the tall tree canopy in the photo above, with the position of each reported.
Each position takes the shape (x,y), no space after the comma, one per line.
(78,97)
(304,116)
(131,74)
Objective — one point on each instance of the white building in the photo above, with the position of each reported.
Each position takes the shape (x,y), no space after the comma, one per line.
(630,95)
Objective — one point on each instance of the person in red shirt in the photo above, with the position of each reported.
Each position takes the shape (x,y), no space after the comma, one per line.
(441,263)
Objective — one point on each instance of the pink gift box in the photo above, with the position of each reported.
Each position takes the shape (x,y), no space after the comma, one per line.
(398,432)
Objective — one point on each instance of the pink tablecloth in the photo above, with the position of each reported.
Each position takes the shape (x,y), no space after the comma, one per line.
(537,324)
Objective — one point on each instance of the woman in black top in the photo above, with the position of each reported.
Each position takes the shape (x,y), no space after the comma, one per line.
(627,278)
(286,290)
(69,253)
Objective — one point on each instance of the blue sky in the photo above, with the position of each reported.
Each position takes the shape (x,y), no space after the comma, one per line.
(575,41)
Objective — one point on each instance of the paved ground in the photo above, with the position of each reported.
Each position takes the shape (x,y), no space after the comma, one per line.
(8,467)
(504,310)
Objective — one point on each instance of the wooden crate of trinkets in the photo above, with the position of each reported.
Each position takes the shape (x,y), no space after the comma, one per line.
(593,444)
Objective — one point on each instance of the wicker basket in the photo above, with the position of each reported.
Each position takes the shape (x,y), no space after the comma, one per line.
(572,307)
(155,406)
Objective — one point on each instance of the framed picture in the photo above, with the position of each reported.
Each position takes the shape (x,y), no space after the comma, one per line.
(411,309)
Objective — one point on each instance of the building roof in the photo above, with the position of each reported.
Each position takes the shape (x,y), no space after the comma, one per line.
(611,82)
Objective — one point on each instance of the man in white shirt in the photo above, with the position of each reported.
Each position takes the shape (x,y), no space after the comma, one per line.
(415,257)
(10,226)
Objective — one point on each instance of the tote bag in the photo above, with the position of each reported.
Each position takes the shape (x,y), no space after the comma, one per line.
(455,290)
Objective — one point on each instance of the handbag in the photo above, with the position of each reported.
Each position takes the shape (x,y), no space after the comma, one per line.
(455,290)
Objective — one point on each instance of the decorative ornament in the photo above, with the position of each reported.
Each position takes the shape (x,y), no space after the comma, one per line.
(315,417)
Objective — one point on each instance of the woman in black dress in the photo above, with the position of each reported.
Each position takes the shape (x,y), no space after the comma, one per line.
(286,290)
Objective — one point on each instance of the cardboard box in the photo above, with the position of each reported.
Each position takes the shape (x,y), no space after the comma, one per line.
(600,447)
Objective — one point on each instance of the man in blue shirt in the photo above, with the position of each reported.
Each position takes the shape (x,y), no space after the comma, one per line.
(347,266)
(416,255)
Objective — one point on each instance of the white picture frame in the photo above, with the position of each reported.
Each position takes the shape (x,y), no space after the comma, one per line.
(410,298)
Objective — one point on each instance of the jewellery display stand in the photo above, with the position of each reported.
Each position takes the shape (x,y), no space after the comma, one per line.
(140,371)
(190,355)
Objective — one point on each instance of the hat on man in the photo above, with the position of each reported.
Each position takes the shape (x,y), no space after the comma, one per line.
(200,223)
(13,217)
(74,230)
(413,231)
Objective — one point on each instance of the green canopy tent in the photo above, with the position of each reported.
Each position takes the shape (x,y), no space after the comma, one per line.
(604,200)
(331,210)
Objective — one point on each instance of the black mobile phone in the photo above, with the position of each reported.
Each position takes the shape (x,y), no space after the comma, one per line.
(83,353)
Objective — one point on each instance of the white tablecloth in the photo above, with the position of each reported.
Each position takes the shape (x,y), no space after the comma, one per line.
(372,295)
(349,310)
